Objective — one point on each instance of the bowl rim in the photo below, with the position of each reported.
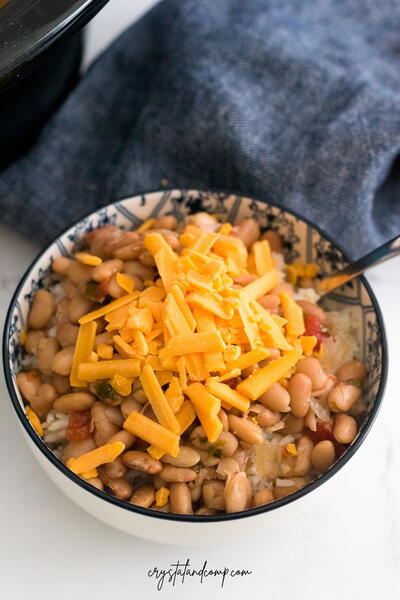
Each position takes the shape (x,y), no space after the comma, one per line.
(124,504)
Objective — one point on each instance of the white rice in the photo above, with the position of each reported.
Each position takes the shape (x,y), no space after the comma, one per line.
(54,427)
(307,294)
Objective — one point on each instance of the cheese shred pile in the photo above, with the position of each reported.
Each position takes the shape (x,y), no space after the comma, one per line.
(190,333)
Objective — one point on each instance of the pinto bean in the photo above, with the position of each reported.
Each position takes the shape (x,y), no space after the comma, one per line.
(264,496)
(245,279)
(28,384)
(113,414)
(323,394)
(354,369)
(142,461)
(226,467)
(78,273)
(323,456)
(44,399)
(248,231)
(311,367)
(60,265)
(103,338)
(300,464)
(296,483)
(47,350)
(114,289)
(186,457)
(276,398)
(129,251)
(207,458)
(299,389)
(143,496)
(227,442)
(274,239)
(32,341)
(42,310)
(62,361)
(96,482)
(134,267)
(237,493)
(223,417)
(213,494)
(264,416)
(204,221)
(146,258)
(283,287)
(246,430)
(116,468)
(107,269)
(344,429)
(121,239)
(293,425)
(62,314)
(173,474)
(71,291)
(76,448)
(129,405)
(310,309)
(66,334)
(196,486)
(76,401)
(78,307)
(121,488)
(303,462)
(180,499)
(60,383)
(167,222)
(342,397)
(102,426)
(199,439)
(128,439)
(269,301)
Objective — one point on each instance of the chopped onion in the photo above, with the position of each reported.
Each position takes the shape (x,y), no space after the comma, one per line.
(321,412)
(284,482)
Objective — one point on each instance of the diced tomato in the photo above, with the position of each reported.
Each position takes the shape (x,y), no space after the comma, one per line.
(325,432)
(313,326)
(78,426)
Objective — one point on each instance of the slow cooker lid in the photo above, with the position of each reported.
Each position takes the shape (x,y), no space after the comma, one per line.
(29,27)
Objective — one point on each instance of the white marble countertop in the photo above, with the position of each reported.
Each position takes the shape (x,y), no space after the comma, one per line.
(350,548)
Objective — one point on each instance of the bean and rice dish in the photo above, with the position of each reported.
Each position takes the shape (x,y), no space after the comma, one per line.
(187,369)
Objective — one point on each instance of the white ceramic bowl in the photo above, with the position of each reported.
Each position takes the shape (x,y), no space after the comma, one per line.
(303,242)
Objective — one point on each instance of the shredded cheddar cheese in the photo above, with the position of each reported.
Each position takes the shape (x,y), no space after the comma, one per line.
(191,334)
(83,350)
(162,495)
(88,259)
(153,433)
(93,459)
(34,420)
(125,282)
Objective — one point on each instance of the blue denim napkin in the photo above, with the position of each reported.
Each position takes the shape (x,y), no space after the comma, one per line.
(294,102)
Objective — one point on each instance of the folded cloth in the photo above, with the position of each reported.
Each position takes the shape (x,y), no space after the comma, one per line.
(295,102)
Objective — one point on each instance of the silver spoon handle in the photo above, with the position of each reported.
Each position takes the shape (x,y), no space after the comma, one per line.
(377,256)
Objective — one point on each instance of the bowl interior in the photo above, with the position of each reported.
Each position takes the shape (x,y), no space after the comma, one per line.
(301,242)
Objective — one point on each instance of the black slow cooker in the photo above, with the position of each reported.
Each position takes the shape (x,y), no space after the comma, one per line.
(40,56)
